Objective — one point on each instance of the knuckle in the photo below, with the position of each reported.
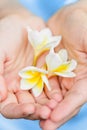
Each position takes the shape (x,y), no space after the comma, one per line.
(27,109)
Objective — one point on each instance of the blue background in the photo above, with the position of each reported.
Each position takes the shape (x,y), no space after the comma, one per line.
(45,9)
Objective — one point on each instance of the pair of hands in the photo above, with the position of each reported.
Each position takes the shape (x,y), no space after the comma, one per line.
(15,53)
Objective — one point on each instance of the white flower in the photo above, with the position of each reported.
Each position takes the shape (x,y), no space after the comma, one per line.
(34,78)
(42,40)
(58,64)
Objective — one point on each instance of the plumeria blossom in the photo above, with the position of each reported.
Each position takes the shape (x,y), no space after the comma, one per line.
(58,63)
(42,40)
(34,78)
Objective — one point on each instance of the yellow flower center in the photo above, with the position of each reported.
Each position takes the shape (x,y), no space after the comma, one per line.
(42,44)
(62,68)
(32,73)
(33,80)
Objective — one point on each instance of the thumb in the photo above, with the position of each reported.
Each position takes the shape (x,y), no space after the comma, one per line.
(71,103)
(65,110)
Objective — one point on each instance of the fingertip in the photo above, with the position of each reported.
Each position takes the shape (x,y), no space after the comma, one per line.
(24,110)
(48,125)
(45,112)
(55,92)
(41,123)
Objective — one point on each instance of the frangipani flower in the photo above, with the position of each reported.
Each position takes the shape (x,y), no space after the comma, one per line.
(58,64)
(34,78)
(42,40)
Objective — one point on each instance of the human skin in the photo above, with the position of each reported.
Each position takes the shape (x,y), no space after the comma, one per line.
(15,54)
(71,23)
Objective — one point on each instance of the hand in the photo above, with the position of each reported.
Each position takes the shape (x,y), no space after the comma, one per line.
(71,23)
(16,54)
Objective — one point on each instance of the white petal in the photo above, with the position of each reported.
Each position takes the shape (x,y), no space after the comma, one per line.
(46,33)
(54,41)
(38,89)
(25,74)
(72,66)
(30,37)
(26,85)
(29,29)
(22,73)
(66,67)
(45,80)
(66,74)
(42,40)
(35,38)
(63,55)
(53,60)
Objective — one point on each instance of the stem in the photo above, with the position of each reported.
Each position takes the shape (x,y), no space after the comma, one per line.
(35,60)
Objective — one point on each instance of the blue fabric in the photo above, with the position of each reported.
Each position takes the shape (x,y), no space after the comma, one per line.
(45,9)
(79,122)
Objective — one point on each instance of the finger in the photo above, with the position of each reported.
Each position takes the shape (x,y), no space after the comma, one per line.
(11,109)
(13,84)
(24,97)
(36,115)
(55,92)
(44,112)
(68,108)
(66,83)
(51,103)
(48,125)
(42,99)
(71,102)
(44,124)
